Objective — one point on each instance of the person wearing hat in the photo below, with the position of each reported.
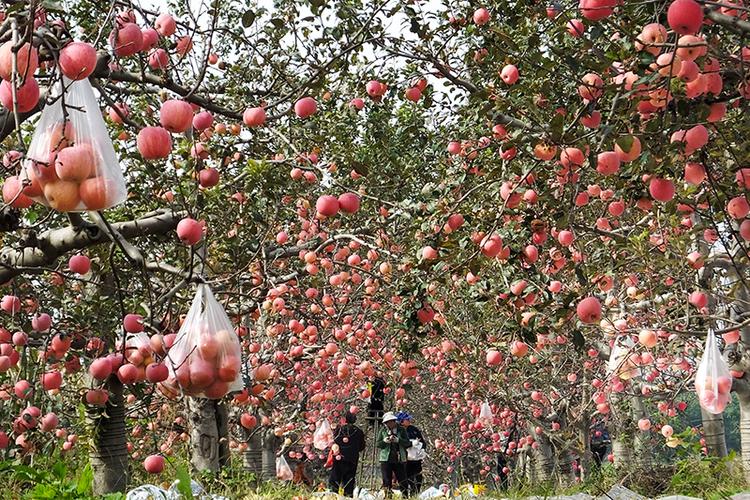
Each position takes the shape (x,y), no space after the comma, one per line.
(392,441)
(413,467)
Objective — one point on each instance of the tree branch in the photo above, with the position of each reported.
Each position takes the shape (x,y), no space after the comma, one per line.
(54,243)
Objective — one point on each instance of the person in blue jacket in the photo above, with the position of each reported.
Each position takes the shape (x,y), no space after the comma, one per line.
(414,476)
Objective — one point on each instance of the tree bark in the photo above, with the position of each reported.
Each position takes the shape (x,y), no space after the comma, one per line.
(587,457)
(565,467)
(222,425)
(252,459)
(745,433)
(109,455)
(713,432)
(641,439)
(545,459)
(204,434)
(52,244)
(268,455)
(622,450)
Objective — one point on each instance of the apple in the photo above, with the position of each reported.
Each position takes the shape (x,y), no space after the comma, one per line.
(685,16)
(154,464)
(154,143)
(305,107)
(51,380)
(203,120)
(27,57)
(589,310)
(158,59)
(13,193)
(165,24)
(481,16)
(157,372)
(254,117)
(493,357)
(27,95)
(77,60)
(661,189)
(509,74)
(100,368)
(126,39)
(41,322)
(327,205)
(349,203)
(79,264)
(75,163)
(176,115)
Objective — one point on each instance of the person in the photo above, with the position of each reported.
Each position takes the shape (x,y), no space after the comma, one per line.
(599,441)
(392,441)
(349,442)
(377,396)
(300,473)
(413,466)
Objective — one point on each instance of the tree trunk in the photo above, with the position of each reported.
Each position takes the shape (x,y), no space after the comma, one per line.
(252,459)
(545,459)
(745,434)
(222,425)
(526,465)
(565,467)
(587,457)
(641,440)
(109,454)
(713,431)
(268,457)
(206,423)
(622,450)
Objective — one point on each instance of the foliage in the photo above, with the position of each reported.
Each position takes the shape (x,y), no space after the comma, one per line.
(708,477)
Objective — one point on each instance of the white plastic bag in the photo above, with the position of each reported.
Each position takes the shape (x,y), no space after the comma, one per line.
(415,451)
(147,492)
(283,471)
(205,358)
(323,437)
(485,414)
(365,494)
(620,365)
(71,164)
(713,382)
(431,492)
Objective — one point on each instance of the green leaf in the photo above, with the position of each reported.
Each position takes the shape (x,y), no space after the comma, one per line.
(277,23)
(360,168)
(85,479)
(248,18)
(625,142)
(578,340)
(556,127)
(317,5)
(59,470)
(52,5)
(183,484)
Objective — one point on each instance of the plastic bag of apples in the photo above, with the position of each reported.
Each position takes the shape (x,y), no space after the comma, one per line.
(323,436)
(713,380)
(204,359)
(71,165)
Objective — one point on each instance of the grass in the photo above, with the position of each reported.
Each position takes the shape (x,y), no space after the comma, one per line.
(70,478)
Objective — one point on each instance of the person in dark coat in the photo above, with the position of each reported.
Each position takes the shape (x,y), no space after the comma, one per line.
(377,396)
(414,476)
(599,441)
(349,442)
